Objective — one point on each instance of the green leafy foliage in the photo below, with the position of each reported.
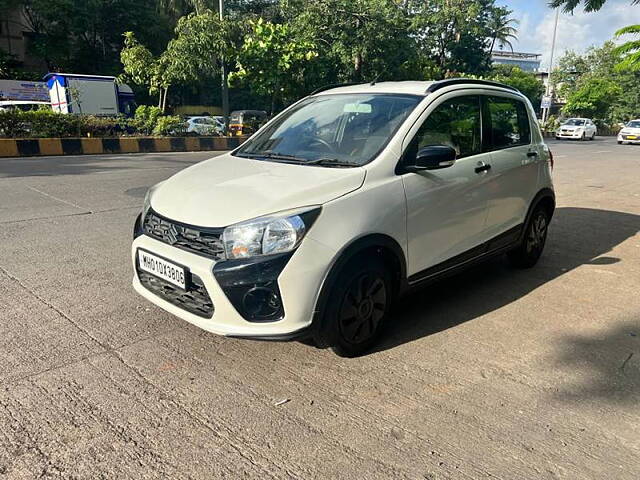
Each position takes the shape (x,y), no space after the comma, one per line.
(48,124)
(569,6)
(169,125)
(575,70)
(526,82)
(272,62)
(594,98)
(454,34)
(357,40)
(146,118)
(630,51)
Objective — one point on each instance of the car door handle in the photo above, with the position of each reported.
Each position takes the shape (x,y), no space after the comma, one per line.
(483,168)
(532,154)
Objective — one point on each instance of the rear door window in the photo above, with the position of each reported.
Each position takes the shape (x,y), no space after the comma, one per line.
(508,122)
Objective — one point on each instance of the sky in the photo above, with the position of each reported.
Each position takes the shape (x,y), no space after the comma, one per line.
(575,32)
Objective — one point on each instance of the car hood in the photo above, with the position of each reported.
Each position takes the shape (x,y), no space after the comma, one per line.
(571,127)
(225,190)
(633,131)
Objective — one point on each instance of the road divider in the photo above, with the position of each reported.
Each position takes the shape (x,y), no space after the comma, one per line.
(10,147)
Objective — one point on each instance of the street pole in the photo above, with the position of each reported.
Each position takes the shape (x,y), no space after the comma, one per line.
(225,87)
(545,112)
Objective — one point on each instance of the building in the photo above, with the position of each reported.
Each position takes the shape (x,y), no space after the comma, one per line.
(15,34)
(529,62)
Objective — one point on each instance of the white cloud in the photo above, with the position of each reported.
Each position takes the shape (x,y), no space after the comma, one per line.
(575,32)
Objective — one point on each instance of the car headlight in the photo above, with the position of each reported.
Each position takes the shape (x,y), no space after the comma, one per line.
(146,206)
(147,203)
(278,233)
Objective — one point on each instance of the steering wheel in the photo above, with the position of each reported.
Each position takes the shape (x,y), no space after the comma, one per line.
(324,143)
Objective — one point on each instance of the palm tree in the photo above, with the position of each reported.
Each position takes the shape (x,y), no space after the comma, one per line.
(589,5)
(630,49)
(502,28)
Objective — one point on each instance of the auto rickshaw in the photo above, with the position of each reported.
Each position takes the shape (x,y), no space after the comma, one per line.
(246,122)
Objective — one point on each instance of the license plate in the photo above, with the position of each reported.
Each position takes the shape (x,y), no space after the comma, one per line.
(161,268)
(632,137)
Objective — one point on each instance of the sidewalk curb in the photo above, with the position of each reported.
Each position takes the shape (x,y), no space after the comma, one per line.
(27,147)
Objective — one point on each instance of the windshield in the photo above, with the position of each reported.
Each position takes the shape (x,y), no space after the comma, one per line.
(634,124)
(348,128)
(574,121)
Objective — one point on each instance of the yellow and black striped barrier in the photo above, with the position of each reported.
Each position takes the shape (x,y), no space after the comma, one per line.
(10,147)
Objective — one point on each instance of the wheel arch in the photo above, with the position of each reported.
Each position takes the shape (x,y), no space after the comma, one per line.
(545,197)
(377,244)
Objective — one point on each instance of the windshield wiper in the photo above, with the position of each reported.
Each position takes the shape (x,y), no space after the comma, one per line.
(332,162)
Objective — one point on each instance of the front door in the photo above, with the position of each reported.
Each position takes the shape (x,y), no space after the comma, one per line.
(446,208)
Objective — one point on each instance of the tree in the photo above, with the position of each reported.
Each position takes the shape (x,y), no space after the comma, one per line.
(453,34)
(502,27)
(359,40)
(201,40)
(600,62)
(594,98)
(86,35)
(273,61)
(514,76)
(630,50)
(589,5)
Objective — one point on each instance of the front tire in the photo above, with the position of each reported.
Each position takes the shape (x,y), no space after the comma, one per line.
(527,254)
(357,308)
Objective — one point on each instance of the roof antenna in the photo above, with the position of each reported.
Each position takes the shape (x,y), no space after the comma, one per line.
(375,79)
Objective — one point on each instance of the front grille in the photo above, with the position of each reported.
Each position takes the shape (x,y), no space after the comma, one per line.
(196,300)
(203,241)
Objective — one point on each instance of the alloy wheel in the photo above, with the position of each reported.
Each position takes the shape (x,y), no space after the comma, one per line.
(537,233)
(363,307)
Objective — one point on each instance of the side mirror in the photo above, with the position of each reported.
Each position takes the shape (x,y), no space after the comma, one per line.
(433,157)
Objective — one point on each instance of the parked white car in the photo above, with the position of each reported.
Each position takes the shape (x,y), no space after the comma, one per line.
(577,129)
(24,105)
(205,125)
(630,133)
(345,201)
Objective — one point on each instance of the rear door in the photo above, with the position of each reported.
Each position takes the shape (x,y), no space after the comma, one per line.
(514,161)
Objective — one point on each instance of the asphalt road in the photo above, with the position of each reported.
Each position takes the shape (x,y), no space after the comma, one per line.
(495,373)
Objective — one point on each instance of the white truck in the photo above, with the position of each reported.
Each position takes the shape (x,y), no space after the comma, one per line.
(89,95)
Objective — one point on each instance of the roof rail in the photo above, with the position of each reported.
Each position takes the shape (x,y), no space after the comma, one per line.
(458,81)
(334,85)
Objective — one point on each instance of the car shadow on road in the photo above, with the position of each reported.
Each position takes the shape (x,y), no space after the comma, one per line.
(577,236)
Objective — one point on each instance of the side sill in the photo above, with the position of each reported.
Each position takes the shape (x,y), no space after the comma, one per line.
(497,245)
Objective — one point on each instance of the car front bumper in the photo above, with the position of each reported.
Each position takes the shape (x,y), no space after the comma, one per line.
(574,135)
(626,139)
(299,284)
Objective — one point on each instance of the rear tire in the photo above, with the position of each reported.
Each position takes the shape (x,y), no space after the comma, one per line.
(526,255)
(357,307)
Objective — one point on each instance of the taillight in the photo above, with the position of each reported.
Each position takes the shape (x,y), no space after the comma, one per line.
(551,159)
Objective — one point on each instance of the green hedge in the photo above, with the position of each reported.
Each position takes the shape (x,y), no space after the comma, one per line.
(48,124)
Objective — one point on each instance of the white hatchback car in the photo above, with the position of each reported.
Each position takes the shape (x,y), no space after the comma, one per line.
(205,125)
(577,129)
(630,133)
(343,202)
